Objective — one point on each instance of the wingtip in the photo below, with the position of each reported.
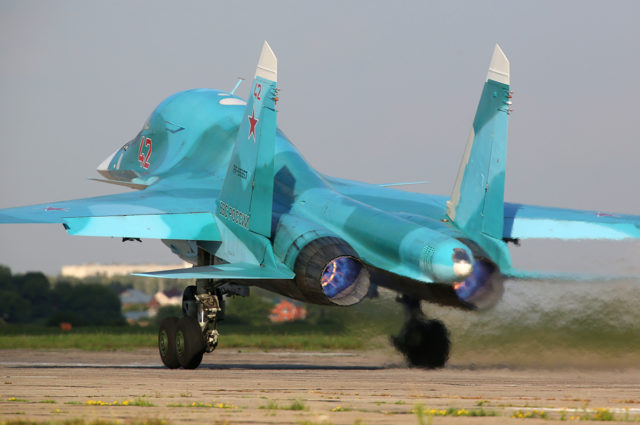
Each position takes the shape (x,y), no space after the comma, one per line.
(267,64)
(499,66)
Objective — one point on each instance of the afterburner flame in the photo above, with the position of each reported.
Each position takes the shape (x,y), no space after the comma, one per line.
(483,288)
(330,273)
(340,274)
(481,274)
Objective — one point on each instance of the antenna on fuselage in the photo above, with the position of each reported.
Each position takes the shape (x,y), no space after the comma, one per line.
(240,80)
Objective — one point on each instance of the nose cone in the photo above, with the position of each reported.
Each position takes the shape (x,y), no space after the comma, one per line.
(451,262)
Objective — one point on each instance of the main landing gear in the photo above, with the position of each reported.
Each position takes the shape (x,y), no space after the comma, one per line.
(183,342)
(424,343)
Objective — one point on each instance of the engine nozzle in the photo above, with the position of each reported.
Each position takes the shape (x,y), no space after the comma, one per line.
(329,272)
(483,288)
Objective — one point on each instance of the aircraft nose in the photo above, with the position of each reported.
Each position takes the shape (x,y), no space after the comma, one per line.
(451,262)
(104,165)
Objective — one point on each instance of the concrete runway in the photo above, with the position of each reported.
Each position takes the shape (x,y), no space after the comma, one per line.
(239,387)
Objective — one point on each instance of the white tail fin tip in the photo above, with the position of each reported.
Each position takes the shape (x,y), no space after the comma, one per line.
(499,67)
(267,64)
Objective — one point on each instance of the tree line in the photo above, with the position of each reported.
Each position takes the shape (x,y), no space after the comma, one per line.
(31,298)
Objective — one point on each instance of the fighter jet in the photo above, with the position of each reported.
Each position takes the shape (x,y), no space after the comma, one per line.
(223,187)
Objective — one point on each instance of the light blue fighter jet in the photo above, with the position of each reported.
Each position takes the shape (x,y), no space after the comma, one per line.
(224,189)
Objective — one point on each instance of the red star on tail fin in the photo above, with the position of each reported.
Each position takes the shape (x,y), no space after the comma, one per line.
(252,121)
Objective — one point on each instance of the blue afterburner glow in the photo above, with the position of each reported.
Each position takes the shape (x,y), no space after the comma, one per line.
(340,274)
(482,272)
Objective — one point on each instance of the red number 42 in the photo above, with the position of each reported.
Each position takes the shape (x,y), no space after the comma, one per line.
(144,160)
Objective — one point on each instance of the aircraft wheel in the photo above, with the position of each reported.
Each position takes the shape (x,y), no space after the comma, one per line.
(167,342)
(189,302)
(425,343)
(189,343)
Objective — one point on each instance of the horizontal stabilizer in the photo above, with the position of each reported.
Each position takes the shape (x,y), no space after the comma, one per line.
(241,271)
(564,276)
(533,222)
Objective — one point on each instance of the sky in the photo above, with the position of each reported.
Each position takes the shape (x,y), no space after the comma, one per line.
(373,91)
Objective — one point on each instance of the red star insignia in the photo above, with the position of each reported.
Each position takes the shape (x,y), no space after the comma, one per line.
(252,122)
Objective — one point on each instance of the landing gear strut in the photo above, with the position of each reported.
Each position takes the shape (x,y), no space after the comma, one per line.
(425,343)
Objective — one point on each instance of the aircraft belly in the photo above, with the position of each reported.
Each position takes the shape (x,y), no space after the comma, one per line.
(287,288)
(438,293)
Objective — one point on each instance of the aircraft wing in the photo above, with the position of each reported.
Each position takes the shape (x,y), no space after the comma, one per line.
(532,222)
(157,212)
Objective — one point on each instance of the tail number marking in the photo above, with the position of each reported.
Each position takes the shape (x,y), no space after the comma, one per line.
(144,160)
(234,215)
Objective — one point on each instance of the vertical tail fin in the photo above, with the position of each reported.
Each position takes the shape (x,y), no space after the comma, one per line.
(247,192)
(477,201)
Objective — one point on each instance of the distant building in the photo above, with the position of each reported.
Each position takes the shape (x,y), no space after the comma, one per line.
(134,297)
(134,305)
(164,298)
(287,311)
(135,316)
(110,270)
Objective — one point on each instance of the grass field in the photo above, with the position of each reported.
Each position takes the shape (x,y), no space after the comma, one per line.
(295,336)
(93,339)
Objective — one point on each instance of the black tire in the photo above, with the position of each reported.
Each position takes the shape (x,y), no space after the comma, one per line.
(167,342)
(189,343)
(425,343)
(189,301)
